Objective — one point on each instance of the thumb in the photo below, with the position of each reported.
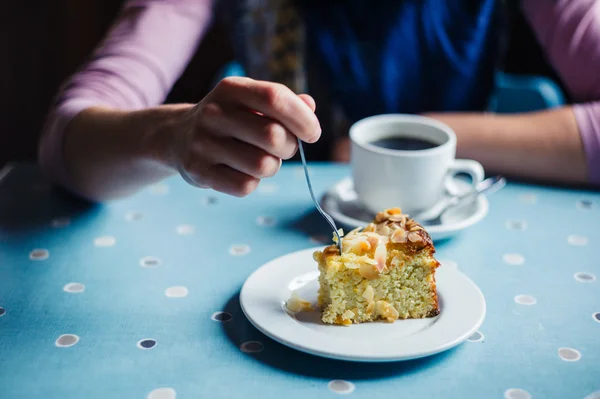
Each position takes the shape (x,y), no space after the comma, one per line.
(309,101)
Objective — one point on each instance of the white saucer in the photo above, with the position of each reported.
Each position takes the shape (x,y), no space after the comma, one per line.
(342,204)
(265,292)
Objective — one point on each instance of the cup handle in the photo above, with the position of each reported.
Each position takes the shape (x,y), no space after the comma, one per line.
(468,166)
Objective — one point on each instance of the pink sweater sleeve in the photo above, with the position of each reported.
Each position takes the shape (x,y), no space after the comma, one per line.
(569,31)
(135,67)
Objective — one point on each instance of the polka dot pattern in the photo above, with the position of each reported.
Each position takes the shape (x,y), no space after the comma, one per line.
(222,317)
(577,241)
(133,216)
(210,200)
(159,189)
(154,252)
(341,387)
(185,230)
(39,254)
(513,259)
(74,288)
(150,261)
(477,336)
(585,205)
(176,292)
(528,198)
(61,222)
(147,343)
(516,393)
(569,354)
(266,221)
(105,241)
(525,300)
(593,395)
(266,188)
(516,225)
(239,250)
(251,347)
(584,277)
(66,340)
(162,393)
(299,172)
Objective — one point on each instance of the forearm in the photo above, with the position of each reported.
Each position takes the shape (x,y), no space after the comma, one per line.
(110,154)
(543,146)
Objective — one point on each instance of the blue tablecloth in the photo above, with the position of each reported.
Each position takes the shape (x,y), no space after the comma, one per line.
(139,298)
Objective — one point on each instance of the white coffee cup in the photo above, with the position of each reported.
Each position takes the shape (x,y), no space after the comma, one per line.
(413,180)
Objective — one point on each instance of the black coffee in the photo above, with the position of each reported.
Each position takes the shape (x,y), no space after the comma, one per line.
(404,143)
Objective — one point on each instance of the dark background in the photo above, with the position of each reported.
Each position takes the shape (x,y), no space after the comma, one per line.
(42,42)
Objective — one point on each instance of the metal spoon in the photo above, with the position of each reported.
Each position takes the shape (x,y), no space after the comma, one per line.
(433,216)
(321,211)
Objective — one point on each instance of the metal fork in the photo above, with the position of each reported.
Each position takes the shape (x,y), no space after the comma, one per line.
(312,194)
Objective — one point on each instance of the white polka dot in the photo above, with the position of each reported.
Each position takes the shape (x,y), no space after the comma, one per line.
(320,239)
(342,387)
(39,254)
(222,317)
(593,395)
(162,393)
(176,292)
(146,343)
(185,229)
(265,221)
(516,225)
(583,277)
(74,288)
(528,198)
(576,240)
(299,172)
(150,261)
(2,311)
(525,300)
(159,189)
(133,216)
(449,264)
(516,393)
(596,317)
(239,250)
(476,337)
(66,340)
(61,222)
(105,241)
(209,200)
(267,188)
(513,259)
(584,205)
(251,347)
(569,354)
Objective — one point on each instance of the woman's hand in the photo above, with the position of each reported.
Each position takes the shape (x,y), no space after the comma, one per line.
(240,132)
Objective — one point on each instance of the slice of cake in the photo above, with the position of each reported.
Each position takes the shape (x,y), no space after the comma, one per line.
(386,272)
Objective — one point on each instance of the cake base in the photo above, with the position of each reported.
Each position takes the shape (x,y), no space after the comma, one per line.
(405,291)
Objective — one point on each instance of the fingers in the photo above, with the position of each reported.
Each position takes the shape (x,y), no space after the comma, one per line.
(272,100)
(309,101)
(230,181)
(220,177)
(251,128)
(245,158)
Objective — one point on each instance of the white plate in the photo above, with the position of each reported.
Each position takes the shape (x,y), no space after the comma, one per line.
(342,204)
(265,292)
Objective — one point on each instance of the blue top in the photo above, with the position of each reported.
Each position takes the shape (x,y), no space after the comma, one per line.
(405,56)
